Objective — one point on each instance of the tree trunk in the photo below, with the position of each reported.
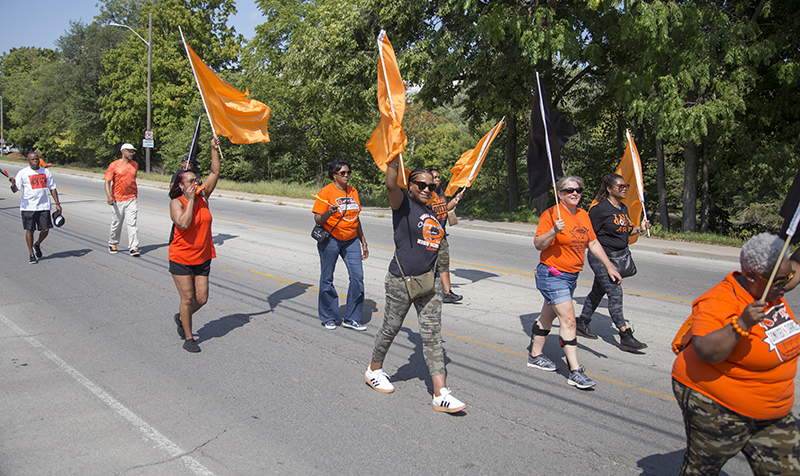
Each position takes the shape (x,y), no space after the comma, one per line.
(511,163)
(705,200)
(661,183)
(690,166)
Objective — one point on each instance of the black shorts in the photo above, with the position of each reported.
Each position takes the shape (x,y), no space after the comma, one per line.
(202,269)
(36,220)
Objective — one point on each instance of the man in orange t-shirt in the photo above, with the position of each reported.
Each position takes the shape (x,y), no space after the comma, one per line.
(121,193)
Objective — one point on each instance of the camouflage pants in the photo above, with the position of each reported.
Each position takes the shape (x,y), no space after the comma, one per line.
(429,313)
(715,434)
(444,256)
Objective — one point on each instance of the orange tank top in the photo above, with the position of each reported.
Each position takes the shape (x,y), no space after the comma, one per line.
(193,245)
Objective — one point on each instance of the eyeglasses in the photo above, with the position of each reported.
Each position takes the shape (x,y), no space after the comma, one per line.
(570,190)
(344,173)
(422,186)
(623,186)
(194,180)
(778,283)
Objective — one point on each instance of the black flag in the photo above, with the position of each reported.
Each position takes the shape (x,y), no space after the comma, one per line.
(559,132)
(194,148)
(789,208)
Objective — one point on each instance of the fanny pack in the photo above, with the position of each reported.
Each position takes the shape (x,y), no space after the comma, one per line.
(421,285)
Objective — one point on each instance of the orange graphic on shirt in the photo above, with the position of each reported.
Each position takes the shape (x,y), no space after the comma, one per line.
(432,232)
(623,222)
(38,181)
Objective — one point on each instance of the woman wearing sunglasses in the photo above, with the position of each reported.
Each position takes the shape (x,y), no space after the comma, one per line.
(417,235)
(563,242)
(613,226)
(734,381)
(337,209)
(191,248)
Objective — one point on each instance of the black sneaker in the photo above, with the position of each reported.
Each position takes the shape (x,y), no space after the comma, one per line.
(112,249)
(32,260)
(582,328)
(134,252)
(191,346)
(450,297)
(37,250)
(177,319)
(628,343)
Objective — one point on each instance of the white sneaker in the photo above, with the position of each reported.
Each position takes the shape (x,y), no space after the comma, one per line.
(379,380)
(446,402)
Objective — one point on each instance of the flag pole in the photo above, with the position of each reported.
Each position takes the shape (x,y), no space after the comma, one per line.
(547,143)
(789,235)
(637,173)
(381,36)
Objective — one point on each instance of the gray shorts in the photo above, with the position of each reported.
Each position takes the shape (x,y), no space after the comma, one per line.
(36,220)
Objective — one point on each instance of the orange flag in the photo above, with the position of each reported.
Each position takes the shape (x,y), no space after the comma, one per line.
(389,139)
(242,120)
(467,167)
(630,168)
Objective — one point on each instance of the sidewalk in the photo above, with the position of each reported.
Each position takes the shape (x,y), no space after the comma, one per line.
(677,248)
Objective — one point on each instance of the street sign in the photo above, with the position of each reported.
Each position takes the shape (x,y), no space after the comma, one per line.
(148,135)
(147,143)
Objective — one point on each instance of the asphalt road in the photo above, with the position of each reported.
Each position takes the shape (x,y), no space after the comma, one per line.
(95,382)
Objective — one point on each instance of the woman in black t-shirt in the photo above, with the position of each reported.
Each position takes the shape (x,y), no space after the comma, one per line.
(613,226)
(417,235)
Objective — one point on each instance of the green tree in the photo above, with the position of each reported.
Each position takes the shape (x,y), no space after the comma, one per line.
(174,92)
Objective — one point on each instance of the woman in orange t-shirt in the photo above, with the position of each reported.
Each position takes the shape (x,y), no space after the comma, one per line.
(734,382)
(563,241)
(191,249)
(337,209)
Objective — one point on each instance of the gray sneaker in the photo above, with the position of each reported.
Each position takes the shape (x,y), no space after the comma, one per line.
(579,379)
(542,363)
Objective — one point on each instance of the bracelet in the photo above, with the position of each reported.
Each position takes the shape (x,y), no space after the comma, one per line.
(364,244)
(736,327)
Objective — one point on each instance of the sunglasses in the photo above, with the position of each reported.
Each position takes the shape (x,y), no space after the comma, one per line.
(194,180)
(778,283)
(570,190)
(422,186)
(344,173)
(623,186)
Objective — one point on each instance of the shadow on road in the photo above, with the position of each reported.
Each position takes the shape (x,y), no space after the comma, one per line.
(222,326)
(473,275)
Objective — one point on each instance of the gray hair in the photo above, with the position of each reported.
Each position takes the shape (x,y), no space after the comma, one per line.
(572,178)
(760,253)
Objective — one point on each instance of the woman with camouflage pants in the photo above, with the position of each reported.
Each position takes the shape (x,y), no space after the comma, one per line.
(734,381)
(417,234)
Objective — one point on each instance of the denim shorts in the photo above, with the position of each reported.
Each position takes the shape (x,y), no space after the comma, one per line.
(555,289)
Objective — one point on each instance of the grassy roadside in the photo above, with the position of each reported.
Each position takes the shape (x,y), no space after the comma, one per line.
(296,190)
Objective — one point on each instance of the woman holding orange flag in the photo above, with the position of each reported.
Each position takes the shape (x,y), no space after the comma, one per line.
(191,249)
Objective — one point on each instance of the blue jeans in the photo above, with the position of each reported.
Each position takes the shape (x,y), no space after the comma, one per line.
(329,253)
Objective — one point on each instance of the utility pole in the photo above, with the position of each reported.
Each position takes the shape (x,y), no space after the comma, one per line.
(149,75)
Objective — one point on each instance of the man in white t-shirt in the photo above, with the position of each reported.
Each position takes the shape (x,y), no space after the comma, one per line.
(34,182)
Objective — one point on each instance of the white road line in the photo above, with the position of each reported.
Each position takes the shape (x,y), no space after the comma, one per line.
(150,433)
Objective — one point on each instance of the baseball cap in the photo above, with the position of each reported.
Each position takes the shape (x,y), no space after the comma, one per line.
(127,146)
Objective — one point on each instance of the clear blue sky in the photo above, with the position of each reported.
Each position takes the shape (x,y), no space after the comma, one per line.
(39,22)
